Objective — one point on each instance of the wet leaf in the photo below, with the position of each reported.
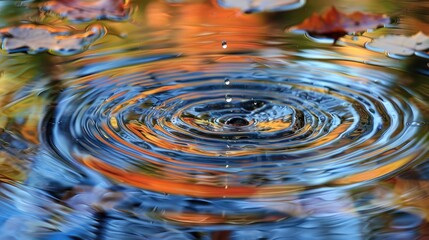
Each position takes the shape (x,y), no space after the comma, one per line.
(335,24)
(87,10)
(250,6)
(399,44)
(34,39)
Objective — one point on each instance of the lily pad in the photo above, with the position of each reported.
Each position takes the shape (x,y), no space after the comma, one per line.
(32,38)
(87,10)
(399,44)
(250,6)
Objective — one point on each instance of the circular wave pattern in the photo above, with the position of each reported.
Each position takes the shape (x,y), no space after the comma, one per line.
(264,133)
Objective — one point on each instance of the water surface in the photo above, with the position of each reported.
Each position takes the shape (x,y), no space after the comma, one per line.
(198,121)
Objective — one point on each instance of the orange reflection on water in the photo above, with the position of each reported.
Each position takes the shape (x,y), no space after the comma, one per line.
(201,27)
(209,219)
(187,187)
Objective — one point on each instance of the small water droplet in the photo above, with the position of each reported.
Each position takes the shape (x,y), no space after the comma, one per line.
(227,81)
(228,98)
(416,124)
(224,44)
(355,38)
(226,166)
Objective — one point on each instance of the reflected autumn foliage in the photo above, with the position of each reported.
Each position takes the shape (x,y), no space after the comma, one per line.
(169,182)
(201,27)
(12,168)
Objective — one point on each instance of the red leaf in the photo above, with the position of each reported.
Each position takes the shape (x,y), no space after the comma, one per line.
(335,24)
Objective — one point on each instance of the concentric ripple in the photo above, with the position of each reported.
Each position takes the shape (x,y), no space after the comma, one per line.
(268,132)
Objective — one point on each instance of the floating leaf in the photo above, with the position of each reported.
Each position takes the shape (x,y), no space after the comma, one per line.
(36,38)
(250,6)
(399,44)
(87,10)
(335,24)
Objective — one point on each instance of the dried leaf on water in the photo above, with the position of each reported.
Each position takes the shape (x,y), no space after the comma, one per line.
(335,24)
(87,10)
(250,6)
(399,44)
(32,38)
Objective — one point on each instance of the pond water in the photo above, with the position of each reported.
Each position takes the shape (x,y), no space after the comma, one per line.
(209,120)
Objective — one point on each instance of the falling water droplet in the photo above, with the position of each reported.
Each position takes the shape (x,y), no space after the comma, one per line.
(224,44)
(228,98)
(227,81)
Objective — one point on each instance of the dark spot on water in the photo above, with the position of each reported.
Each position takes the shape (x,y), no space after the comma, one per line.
(237,122)
(250,11)
(199,202)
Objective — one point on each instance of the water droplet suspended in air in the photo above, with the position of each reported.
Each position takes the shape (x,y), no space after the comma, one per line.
(227,81)
(228,98)
(224,44)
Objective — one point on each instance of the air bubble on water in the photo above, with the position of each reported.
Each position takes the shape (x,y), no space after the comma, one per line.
(224,44)
(227,81)
(228,98)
